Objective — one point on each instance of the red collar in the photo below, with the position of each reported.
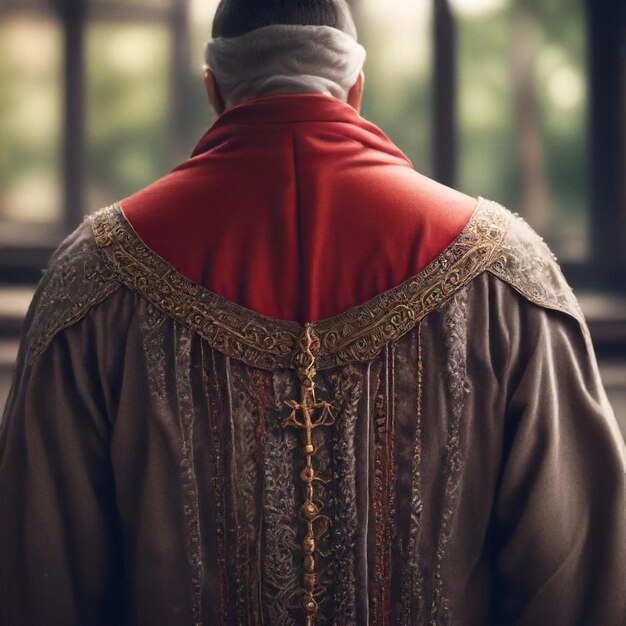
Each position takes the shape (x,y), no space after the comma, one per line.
(284,108)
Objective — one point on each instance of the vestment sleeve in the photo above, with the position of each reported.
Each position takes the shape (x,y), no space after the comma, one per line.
(60,547)
(559,518)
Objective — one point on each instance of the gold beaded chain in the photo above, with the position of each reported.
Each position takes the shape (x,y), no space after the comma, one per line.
(309,511)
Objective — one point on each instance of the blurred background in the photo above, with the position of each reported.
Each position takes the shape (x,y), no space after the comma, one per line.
(520,101)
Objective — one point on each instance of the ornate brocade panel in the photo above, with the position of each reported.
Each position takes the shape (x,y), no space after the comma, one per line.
(368,488)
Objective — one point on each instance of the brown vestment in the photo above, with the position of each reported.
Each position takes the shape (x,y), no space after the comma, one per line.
(443,453)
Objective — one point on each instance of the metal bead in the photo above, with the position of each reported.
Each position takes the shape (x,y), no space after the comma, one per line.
(308,510)
(308,544)
(307,474)
(309,604)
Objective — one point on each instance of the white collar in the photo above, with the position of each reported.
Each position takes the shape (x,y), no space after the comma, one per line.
(285,58)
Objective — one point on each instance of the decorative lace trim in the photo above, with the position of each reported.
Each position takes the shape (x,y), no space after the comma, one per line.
(188,476)
(357,334)
(250,395)
(348,384)
(86,268)
(211,394)
(458,387)
(153,341)
(412,603)
(281,577)
(77,278)
(381,494)
(528,265)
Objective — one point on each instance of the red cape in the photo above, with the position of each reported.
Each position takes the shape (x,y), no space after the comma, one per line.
(295,206)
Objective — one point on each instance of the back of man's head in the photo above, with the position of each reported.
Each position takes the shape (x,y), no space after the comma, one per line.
(237,17)
(261,47)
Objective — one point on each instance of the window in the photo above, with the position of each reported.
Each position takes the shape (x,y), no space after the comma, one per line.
(30,128)
(126,104)
(398,72)
(97,100)
(522,112)
(514,100)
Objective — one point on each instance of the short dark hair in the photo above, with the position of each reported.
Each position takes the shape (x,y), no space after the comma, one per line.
(237,17)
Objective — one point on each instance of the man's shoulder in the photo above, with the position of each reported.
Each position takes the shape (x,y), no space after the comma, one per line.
(524,261)
(76,278)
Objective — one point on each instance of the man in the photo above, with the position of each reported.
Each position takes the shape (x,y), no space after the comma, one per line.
(296,382)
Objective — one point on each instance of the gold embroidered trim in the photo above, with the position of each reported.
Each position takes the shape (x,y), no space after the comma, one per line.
(356,334)
(227,326)
(360,333)
(494,239)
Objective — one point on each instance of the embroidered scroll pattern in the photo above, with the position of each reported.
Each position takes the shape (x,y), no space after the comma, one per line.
(282,552)
(348,390)
(359,333)
(455,319)
(306,415)
(188,477)
(390,350)
(235,330)
(77,277)
(252,393)
(212,394)
(379,580)
(412,605)
(153,340)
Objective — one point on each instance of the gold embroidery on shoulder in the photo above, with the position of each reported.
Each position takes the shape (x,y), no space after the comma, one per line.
(357,334)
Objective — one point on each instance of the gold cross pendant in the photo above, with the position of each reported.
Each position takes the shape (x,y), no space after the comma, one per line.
(302,417)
